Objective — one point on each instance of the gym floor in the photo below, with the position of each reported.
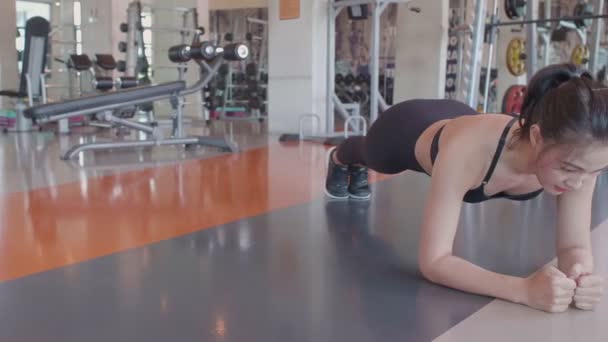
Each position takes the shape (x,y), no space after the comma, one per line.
(165,245)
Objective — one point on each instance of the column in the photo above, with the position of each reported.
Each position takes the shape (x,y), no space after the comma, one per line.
(421,54)
(297,55)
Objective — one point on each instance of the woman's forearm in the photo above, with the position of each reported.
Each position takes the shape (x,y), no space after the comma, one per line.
(568,257)
(455,272)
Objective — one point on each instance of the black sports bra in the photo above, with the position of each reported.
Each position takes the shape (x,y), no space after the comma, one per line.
(478,195)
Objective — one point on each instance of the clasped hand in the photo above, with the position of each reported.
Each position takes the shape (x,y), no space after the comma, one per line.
(551,290)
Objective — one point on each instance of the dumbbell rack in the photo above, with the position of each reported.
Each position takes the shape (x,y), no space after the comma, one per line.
(228,88)
(243,90)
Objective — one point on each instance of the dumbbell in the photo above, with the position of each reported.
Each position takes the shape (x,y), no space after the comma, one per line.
(124,27)
(203,50)
(180,53)
(207,51)
(255,103)
(251,69)
(122,46)
(339,79)
(233,52)
(363,79)
(349,79)
(239,78)
(121,66)
(252,87)
(197,51)
(107,83)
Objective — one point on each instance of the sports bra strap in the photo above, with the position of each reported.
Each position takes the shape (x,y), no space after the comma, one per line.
(435,145)
(501,144)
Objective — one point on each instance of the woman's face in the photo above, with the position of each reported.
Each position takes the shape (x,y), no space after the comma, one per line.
(561,168)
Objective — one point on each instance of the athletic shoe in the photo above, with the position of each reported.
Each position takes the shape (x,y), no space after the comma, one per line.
(358,187)
(336,183)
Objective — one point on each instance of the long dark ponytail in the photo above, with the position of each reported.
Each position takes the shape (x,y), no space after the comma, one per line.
(566,103)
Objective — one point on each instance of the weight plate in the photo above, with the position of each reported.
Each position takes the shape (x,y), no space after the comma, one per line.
(513,99)
(251,69)
(516,62)
(580,55)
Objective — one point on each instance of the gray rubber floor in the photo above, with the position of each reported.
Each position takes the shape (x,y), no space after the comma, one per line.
(324,271)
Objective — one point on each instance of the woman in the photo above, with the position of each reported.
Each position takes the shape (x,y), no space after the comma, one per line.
(558,144)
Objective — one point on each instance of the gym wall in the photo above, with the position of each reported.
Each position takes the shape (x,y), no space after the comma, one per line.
(96,27)
(236,4)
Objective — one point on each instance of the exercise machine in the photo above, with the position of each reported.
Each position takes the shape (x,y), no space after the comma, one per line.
(208,56)
(32,80)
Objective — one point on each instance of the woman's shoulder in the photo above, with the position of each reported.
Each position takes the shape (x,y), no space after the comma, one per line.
(476,135)
(481,127)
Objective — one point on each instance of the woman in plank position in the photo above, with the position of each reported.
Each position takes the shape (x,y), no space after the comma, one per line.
(558,144)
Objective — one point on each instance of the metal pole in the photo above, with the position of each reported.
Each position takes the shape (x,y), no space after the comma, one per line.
(476,47)
(546,35)
(382,102)
(180,117)
(552,20)
(531,39)
(491,43)
(132,21)
(375,61)
(331,64)
(596,30)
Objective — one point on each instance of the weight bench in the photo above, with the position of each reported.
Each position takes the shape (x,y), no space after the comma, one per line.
(104,105)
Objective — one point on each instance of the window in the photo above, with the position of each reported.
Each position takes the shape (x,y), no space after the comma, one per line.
(25,11)
(146,21)
(77,28)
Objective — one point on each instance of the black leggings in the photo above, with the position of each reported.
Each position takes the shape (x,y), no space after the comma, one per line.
(389,145)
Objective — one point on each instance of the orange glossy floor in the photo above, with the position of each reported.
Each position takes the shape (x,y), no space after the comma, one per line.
(55,226)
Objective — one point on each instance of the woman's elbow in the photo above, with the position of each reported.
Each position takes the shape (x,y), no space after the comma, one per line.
(427,269)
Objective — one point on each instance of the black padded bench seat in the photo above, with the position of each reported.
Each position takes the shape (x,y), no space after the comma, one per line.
(92,102)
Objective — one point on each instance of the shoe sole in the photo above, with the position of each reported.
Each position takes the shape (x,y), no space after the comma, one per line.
(328,155)
(360,198)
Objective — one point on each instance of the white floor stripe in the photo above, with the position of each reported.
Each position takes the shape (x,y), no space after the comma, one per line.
(504,321)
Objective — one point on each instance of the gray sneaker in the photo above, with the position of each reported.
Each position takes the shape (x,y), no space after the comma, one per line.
(358,187)
(336,183)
